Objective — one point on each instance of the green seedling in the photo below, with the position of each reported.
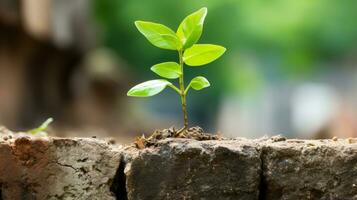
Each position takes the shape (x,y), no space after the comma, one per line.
(41,130)
(189,53)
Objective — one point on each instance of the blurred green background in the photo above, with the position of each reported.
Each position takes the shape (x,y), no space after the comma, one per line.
(290,66)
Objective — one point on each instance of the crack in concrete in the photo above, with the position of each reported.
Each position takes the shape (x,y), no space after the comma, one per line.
(262,182)
(1,192)
(65,165)
(118,187)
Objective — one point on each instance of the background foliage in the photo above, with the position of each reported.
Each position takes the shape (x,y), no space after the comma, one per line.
(269,42)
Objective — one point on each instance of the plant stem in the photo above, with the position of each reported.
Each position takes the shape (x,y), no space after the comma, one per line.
(183,93)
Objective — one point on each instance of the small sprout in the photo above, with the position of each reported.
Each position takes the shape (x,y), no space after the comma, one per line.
(41,130)
(189,53)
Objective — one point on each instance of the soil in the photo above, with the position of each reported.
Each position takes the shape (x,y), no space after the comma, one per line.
(196,133)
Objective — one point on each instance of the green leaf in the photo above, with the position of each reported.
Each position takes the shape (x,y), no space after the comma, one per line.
(42,127)
(201,54)
(171,70)
(199,82)
(190,29)
(148,88)
(159,35)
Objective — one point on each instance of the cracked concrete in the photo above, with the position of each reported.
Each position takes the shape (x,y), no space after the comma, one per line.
(264,169)
(56,168)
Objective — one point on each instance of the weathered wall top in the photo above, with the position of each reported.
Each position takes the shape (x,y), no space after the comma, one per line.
(87,168)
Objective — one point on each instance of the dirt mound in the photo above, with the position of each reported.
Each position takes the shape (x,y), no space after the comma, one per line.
(196,133)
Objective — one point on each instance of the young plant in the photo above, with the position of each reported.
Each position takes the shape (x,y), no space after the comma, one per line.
(41,130)
(189,53)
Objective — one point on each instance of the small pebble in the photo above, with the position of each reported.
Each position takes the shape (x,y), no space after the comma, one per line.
(334,138)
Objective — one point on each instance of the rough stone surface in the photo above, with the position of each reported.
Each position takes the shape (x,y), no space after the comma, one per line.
(56,168)
(310,169)
(36,168)
(190,169)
